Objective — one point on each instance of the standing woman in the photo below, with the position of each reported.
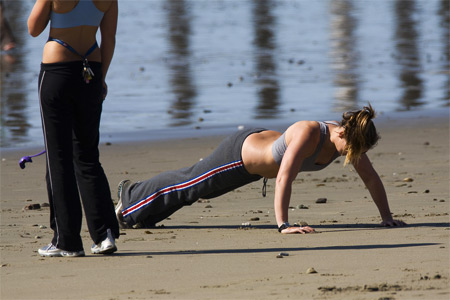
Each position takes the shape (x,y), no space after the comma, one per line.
(71,92)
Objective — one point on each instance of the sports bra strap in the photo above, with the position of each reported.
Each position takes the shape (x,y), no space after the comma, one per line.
(324,132)
(332,122)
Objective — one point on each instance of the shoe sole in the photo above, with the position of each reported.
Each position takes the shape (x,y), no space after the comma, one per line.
(118,208)
(106,251)
(60,255)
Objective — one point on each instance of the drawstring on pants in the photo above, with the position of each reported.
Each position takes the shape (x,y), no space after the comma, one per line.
(264,187)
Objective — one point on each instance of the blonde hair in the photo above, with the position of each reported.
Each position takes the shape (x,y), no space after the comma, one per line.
(359,132)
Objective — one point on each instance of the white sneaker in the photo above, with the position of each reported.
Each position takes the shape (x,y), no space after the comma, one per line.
(51,251)
(107,246)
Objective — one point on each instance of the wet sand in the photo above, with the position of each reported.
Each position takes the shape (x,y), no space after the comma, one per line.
(204,251)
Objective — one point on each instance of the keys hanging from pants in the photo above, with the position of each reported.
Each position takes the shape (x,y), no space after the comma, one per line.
(87,71)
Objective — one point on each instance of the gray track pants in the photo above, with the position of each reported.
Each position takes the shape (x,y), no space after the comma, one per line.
(153,200)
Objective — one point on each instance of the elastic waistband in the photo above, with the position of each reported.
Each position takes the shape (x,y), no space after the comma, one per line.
(69,65)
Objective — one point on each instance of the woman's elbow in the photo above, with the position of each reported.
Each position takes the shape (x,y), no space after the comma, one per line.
(36,26)
(33,33)
(33,30)
(284,180)
(109,42)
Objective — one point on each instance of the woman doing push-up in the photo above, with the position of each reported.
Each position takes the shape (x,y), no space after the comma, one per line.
(252,154)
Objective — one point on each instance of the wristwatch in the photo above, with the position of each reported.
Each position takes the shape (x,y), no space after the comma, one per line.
(284,226)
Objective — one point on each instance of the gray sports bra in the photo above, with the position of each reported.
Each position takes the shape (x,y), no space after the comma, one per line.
(279,148)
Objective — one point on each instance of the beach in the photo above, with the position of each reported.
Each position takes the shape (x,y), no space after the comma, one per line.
(229,248)
(187,73)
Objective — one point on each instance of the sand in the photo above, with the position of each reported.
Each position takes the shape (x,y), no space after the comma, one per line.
(205,252)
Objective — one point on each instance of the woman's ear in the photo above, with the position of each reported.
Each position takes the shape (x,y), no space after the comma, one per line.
(340,131)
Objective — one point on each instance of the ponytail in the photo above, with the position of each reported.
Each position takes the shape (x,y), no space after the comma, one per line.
(360,132)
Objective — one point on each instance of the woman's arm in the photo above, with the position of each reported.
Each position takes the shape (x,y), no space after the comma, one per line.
(376,189)
(39,17)
(302,142)
(108,28)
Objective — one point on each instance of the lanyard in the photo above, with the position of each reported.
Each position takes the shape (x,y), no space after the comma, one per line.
(87,71)
(26,159)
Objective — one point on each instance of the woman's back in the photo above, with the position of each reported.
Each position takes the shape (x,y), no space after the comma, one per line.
(258,156)
(76,23)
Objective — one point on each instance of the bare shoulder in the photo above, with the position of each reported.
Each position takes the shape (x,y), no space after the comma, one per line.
(304,128)
(306,133)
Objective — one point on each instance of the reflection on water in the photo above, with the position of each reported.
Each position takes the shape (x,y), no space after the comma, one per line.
(443,11)
(264,41)
(13,118)
(344,54)
(247,61)
(407,55)
(179,63)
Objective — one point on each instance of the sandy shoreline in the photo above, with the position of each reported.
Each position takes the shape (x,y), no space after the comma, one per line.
(203,252)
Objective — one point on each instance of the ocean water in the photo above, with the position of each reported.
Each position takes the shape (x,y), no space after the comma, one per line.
(196,67)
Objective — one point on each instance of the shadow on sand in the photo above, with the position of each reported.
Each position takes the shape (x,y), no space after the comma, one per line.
(276,250)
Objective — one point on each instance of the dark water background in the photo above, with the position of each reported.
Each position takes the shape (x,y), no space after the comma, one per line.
(193,67)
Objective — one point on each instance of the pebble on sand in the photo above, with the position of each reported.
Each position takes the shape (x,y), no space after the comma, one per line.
(321,200)
(311,271)
(32,206)
(302,223)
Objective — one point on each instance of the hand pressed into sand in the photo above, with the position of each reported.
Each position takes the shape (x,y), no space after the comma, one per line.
(393,223)
(295,229)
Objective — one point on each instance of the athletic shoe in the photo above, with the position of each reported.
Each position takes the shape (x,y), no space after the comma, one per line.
(51,251)
(119,207)
(107,246)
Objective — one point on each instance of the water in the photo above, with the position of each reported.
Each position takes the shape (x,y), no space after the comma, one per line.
(185,68)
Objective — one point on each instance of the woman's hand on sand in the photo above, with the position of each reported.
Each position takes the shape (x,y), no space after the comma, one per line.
(393,223)
(296,229)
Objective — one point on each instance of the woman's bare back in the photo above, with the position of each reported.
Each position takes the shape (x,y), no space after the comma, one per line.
(257,153)
(81,38)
